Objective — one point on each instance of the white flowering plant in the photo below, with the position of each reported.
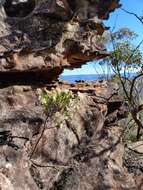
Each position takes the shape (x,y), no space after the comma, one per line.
(56,100)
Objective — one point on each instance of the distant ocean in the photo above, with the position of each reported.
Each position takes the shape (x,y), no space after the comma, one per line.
(92,77)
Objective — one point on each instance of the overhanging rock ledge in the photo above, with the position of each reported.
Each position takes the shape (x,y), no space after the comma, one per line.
(44,37)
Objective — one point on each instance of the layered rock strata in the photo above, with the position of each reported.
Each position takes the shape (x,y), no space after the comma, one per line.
(81,151)
(40,38)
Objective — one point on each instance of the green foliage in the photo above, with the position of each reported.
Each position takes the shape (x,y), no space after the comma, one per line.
(123,34)
(125,52)
(56,100)
(126,56)
(130,134)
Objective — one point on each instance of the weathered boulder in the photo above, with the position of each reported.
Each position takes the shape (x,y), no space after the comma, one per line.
(78,150)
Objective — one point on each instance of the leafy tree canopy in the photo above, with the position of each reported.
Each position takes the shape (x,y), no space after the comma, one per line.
(123,50)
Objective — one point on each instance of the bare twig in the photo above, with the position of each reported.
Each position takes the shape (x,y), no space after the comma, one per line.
(55,166)
(133,84)
(134,14)
(129,95)
(42,132)
(134,51)
(115,23)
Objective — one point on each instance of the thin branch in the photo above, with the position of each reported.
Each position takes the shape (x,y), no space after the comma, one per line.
(41,135)
(118,72)
(129,96)
(115,23)
(133,83)
(137,47)
(137,93)
(17,137)
(55,166)
(134,14)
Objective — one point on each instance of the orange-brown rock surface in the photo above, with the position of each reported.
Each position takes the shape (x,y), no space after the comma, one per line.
(40,38)
(80,150)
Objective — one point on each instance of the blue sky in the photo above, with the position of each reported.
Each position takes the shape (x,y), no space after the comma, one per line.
(121,19)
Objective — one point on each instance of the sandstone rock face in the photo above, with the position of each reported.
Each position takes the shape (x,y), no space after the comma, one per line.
(77,150)
(82,151)
(40,38)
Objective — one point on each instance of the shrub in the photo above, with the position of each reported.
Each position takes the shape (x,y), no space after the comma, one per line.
(56,100)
